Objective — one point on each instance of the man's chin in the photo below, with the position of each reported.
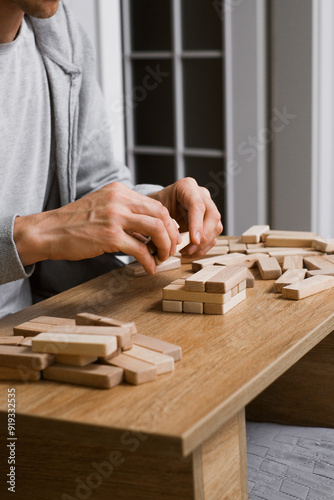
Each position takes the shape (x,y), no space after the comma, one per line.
(41,9)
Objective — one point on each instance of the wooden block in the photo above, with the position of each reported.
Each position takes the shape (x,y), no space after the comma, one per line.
(19,374)
(222,242)
(250,280)
(158,345)
(307,287)
(135,371)
(26,341)
(16,356)
(330,258)
(312,263)
(196,282)
(228,278)
(136,269)
(324,272)
(234,290)
(193,307)
(269,268)
(51,320)
(185,241)
(13,340)
(71,343)
(178,292)
(253,234)
(163,363)
(323,245)
(94,319)
(225,260)
(254,246)
(279,254)
(213,252)
(302,234)
(225,308)
(174,306)
(243,285)
(292,262)
(294,240)
(238,247)
(122,333)
(94,375)
(30,329)
(290,276)
(71,359)
(232,259)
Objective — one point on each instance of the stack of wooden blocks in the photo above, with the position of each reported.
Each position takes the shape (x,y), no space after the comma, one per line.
(91,350)
(301,263)
(212,290)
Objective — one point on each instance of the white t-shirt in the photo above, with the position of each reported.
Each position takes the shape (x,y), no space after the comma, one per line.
(25,143)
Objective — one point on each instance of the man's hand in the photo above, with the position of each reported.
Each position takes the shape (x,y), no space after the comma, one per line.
(192,207)
(100,222)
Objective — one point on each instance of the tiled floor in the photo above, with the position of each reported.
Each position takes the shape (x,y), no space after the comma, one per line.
(286,463)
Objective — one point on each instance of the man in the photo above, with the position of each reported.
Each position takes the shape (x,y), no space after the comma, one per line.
(63,197)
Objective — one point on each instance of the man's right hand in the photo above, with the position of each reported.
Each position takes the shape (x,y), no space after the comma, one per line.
(100,222)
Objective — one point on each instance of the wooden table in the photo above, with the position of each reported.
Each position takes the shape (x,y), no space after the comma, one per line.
(182,436)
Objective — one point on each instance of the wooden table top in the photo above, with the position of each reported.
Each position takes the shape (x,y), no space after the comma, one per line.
(227,360)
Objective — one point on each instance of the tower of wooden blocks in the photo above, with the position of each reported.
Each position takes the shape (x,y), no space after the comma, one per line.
(212,290)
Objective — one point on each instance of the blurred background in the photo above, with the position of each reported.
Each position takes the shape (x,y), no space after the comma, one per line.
(237,94)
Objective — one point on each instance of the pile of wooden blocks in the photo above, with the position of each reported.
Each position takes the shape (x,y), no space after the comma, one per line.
(301,262)
(91,350)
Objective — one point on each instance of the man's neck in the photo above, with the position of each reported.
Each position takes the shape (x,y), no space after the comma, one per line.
(10,21)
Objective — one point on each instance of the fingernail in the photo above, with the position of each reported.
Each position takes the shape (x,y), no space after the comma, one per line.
(197,238)
(179,239)
(191,249)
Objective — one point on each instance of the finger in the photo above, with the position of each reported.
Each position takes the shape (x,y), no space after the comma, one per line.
(155,209)
(132,246)
(212,226)
(154,228)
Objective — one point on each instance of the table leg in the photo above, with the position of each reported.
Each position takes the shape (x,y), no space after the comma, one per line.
(58,461)
(220,464)
(304,394)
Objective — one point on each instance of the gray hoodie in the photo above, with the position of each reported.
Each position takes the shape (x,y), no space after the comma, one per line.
(83,160)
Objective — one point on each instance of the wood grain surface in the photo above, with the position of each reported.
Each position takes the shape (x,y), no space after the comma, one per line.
(243,352)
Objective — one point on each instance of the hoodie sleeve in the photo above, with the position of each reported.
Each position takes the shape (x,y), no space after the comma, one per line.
(11,268)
